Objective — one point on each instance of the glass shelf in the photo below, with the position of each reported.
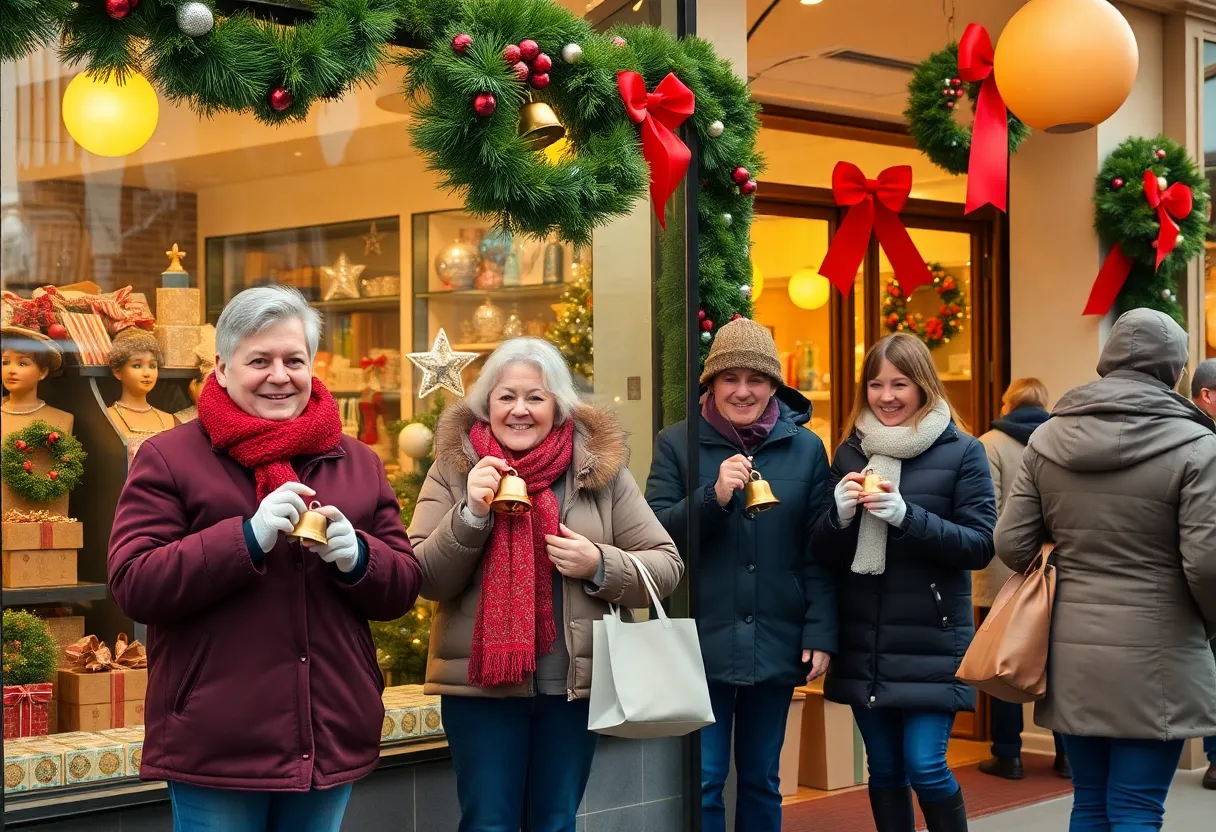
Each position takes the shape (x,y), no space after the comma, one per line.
(543,290)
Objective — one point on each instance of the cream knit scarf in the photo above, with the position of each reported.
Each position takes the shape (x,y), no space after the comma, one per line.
(886,448)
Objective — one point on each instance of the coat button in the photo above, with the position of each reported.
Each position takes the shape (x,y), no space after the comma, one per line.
(305,756)
(751,567)
(749,619)
(303,658)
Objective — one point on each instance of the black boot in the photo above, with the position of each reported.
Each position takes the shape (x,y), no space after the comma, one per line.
(1009,769)
(893,809)
(1209,779)
(949,815)
(1061,766)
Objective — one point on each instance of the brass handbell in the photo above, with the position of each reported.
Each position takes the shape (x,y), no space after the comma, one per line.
(757,494)
(538,125)
(512,495)
(312,525)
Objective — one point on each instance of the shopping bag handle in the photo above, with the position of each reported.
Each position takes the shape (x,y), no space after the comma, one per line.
(651,590)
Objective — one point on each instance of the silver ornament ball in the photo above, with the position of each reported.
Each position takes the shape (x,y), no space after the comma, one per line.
(572,53)
(727,218)
(706,337)
(745,290)
(1162,182)
(195,19)
(717,129)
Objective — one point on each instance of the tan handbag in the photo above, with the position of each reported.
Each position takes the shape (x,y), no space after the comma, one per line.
(1008,657)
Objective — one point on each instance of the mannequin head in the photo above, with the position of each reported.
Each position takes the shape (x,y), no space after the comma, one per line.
(135,361)
(27,360)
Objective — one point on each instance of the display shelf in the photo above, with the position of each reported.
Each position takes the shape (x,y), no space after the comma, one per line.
(542,290)
(103,371)
(384,303)
(486,346)
(388,395)
(69,594)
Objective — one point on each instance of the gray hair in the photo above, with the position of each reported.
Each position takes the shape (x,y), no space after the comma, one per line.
(253,310)
(554,373)
(1205,377)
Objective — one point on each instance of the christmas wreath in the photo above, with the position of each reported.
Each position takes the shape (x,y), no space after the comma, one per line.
(67,458)
(937,88)
(933,331)
(1150,207)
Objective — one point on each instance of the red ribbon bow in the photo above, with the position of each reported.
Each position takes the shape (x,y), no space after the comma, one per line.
(659,112)
(988,169)
(1174,201)
(379,361)
(874,207)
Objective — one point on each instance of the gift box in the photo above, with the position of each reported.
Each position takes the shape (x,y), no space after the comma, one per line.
(103,690)
(179,307)
(89,333)
(38,567)
(132,740)
(90,757)
(415,706)
(59,533)
(32,764)
(178,344)
(25,710)
(66,630)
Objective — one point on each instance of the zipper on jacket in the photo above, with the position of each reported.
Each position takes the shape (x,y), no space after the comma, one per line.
(937,602)
(874,650)
(568,505)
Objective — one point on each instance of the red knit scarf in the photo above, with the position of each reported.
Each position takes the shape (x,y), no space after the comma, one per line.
(515,615)
(268,446)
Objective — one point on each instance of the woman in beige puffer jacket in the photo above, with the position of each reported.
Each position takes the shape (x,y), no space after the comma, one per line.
(1123,480)
(518,731)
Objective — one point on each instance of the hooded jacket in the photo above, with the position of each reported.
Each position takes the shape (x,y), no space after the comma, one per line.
(1123,480)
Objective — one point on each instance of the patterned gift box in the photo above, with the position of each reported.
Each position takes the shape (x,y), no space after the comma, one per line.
(132,740)
(26,710)
(32,764)
(90,757)
(401,722)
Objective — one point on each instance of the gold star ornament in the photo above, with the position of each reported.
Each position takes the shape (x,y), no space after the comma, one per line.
(441,367)
(343,278)
(371,241)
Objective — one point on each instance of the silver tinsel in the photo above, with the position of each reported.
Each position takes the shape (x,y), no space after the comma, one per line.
(195,19)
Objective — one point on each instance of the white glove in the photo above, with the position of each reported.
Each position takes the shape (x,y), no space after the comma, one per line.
(847,492)
(279,512)
(342,550)
(887,506)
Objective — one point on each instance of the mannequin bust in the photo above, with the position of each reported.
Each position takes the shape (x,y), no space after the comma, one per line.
(135,362)
(28,358)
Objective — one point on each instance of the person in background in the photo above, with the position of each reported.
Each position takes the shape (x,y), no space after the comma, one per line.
(1203,393)
(263,702)
(1123,480)
(510,649)
(766,614)
(1024,408)
(909,515)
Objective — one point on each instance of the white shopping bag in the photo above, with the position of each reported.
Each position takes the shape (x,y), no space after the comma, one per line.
(647,678)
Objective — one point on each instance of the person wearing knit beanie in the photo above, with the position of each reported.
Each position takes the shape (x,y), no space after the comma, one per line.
(767,610)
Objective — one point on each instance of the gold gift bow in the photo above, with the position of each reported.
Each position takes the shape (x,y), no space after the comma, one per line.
(91,655)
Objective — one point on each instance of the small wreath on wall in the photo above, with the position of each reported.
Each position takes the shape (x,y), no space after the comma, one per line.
(936,330)
(67,458)
(934,93)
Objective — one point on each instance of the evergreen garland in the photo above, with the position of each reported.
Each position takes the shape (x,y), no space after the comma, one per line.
(1123,216)
(67,457)
(31,654)
(26,25)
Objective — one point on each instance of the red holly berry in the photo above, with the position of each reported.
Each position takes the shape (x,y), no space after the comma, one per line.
(1160,153)
(960,92)
(619,41)
(701,315)
(707,325)
(484,104)
(21,444)
(735,316)
(57,331)
(280,99)
(52,438)
(27,466)
(53,474)
(740,175)
(543,63)
(511,55)
(956,82)
(528,50)
(1117,182)
(118,9)
(461,43)
(540,80)
(949,105)
(748,188)
(521,71)
(943,310)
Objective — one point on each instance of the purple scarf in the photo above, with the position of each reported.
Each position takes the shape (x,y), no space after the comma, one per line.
(749,435)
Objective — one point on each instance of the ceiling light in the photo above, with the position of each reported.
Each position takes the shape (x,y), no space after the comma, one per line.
(299,153)
(811,2)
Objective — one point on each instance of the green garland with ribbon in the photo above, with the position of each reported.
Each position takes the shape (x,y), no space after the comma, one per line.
(936,330)
(67,462)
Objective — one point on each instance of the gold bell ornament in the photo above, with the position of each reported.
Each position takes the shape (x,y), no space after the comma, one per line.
(538,125)
(758,495)
(312,525)
(512,495)
(870,485)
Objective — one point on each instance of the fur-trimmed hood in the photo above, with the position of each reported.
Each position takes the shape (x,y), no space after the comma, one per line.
(601,444)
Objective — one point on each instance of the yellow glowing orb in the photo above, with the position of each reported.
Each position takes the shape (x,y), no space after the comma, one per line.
(757,282)
(109,118)
(809,290)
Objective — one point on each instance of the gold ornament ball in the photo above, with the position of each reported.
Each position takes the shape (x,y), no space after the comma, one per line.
(457,264)
(108,118)
(1089,37)
(809,290)
(757,282)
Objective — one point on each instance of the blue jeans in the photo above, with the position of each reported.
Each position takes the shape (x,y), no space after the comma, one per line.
(201,809)
(1120,785)
(1209,748)
(757,714)
(1007,724)
(908,747)
(521,763)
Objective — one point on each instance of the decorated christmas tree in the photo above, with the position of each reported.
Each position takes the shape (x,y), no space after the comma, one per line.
(572,333)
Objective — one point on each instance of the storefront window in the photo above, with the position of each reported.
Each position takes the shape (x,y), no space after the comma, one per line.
(1209,162)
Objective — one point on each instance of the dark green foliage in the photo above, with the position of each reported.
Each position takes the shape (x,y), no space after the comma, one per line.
(26,25)
(31,654)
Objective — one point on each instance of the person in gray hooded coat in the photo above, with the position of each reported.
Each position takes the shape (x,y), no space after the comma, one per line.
(1123,480)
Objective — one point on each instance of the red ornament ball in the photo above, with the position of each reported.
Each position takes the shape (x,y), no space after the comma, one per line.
(540,80)
(619,41)
(700,317)
(280,99)
(461,43)
(1160,153)
(27,466)
(57,331)
(1117,182)
(528,50)
(740,175)
(521,71)
(960,93)
(707,325)
(949,105)
(484,104)
(21,444)
(511,55)
(53,474)
(118,9)
(735,316)
(956,82)
(543,63)
(748,188)
(52,438)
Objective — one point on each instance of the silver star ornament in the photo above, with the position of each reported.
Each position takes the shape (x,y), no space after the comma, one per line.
(343,278)
(441,367)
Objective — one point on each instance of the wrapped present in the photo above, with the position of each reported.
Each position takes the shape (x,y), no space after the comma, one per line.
(32,764)
(66,630)
(38,567)
(179,344)
(40,530)
(89,333)
(90,757)
(132,740)
(25,710)
(118,310)
(179,307)
(103,690)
